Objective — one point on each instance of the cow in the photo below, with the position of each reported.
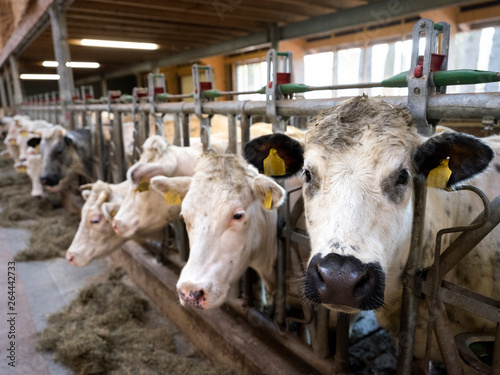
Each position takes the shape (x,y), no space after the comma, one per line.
(95,237)
(146,211)
(66,155)
(358,166)
(228,226)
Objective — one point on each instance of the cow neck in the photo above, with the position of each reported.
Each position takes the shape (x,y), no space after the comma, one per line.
(263,258)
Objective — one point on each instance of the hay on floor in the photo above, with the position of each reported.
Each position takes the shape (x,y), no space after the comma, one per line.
(107,330)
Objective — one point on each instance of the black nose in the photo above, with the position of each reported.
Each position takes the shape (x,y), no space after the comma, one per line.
(49,179)
(344,280)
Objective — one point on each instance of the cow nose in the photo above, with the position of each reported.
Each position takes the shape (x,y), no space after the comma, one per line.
(344,280)
(49,180)
(69,257)
(192,298)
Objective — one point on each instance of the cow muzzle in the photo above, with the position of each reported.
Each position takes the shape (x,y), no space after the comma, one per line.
(345,281)
(49,179)
(192,298)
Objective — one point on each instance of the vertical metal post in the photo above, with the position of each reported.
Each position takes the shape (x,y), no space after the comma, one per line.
(177,130)
(233,137)
(409,302)
(98,147)
(185,128)
(321,346)
(9,93)
(119,148)
(245,131)
(342,344)
(61,49)
(3,96)
(16,82)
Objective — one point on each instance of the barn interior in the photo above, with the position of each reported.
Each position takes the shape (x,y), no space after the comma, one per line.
(332,42)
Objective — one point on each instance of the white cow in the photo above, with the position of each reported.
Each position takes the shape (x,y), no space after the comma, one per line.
(229,229)
(145,211)
(358,167)
(95,237)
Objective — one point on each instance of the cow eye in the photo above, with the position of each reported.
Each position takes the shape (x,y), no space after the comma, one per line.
(238,215)
(403,177)
(306,175)
(95,221)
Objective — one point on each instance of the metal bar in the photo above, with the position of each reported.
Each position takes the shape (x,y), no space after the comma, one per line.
(16,83)
(475,303)
(185,129)
(467,240)
(409,304)
(119,150)
(459,106)
(321,347)
(232,132)
(9,93)
(261,322)
(245,132)
(100,145)
(446,340)
(177,130)
(342,344)
(3,96)
(62,54)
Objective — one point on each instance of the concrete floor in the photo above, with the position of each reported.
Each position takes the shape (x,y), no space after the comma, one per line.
(41,288)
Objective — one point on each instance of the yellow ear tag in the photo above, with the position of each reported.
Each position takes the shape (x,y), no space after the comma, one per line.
(172,198)
(143,185)
(113,213)
(273,164)
(24,133)
(37,149)
(268,200)
(439,176)
(12,141)
(21,169)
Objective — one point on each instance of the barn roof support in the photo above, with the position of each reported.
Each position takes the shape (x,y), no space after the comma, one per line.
(16,82)
(61,49)
(3,96)
(374,14)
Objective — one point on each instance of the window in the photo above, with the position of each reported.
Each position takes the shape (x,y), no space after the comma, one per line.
(250,77)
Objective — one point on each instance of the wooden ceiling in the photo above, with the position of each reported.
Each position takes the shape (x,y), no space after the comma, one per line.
(176,25)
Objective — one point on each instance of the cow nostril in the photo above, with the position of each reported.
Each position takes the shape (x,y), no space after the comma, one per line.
(319,275)
(198,295)
(364,283)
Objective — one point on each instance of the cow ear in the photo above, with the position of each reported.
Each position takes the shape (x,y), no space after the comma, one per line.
(268,192)
(86,194)
(109,210)
(33,142)
(146,171)
(467,155)
(288,149)
(172,186)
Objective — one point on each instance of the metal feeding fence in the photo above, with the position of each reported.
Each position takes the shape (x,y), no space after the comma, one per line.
(307,336)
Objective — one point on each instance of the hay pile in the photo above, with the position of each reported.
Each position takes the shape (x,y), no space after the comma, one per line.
(107,330)
(51,229)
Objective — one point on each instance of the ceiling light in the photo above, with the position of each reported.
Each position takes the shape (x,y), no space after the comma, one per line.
(72,64)
(40,76)
(117,44)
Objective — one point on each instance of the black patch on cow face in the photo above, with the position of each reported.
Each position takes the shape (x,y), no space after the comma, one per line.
(396,184)
(312,181)
(497,167)
(33,142)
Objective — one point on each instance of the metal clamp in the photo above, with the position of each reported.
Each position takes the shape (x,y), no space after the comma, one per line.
(274,80)
(198,88)
(419,79)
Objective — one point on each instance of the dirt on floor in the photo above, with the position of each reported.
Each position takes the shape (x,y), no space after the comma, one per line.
(52,229)
(109,329)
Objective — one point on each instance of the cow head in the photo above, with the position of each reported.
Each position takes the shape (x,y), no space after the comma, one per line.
(95,236)
(226,223)
(358,167)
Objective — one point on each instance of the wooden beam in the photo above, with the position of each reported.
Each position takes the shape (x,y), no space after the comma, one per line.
(28,24)
(483,14)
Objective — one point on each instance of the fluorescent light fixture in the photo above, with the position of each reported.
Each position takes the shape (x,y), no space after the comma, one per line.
(40,76)
(71,64)
(117,44)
